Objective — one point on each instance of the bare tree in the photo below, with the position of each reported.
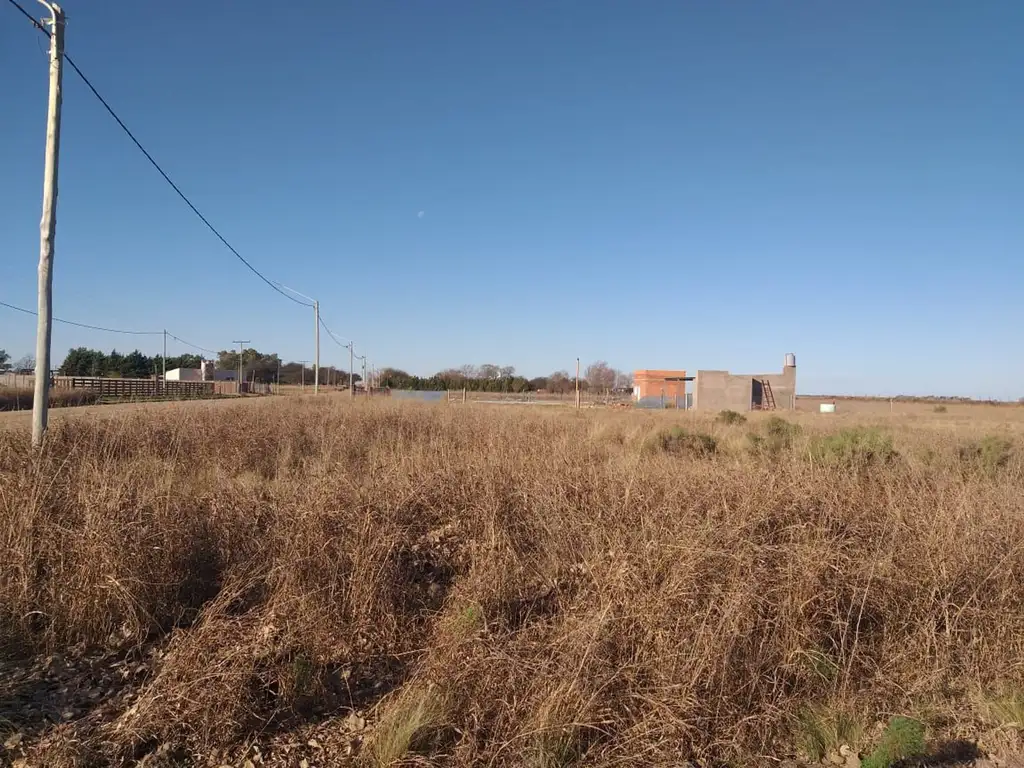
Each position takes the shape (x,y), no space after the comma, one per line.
(470,371)
(489,371)
(559,382)
(623,380)
(600,376)
(25,363)
(507,371)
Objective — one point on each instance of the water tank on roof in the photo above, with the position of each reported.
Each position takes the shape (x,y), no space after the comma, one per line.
(790,360)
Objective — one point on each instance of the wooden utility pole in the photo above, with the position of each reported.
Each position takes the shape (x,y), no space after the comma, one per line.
(316,364)
(240,343)
(577,382)
(351,370)
(163,380)
(48,228)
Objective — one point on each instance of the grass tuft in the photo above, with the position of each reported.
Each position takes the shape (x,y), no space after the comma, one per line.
(903,738)
(1008,709)
(821,731)
(406,726)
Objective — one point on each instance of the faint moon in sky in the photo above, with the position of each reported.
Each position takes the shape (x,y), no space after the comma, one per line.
(421,214)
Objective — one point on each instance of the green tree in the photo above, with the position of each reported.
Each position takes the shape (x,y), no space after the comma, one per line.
(4,358)
(255,364)
(82,361)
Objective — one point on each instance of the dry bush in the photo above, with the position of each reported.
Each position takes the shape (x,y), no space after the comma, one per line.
(505,587)
(681,442)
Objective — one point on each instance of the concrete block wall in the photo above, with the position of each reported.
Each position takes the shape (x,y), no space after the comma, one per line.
(783,387)
(721,390)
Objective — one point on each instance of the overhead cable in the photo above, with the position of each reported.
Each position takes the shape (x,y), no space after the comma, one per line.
(156,165)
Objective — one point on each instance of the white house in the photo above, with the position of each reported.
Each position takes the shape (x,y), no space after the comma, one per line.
(185,374)
(207,373)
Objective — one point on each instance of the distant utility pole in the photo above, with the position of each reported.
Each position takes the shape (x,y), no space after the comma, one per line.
(351,370)
(163,380)
(363,359)
(302,376)
(240,343)
(48,227)
(577,382)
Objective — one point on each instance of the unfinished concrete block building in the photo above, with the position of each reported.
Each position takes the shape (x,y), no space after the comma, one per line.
(721,390)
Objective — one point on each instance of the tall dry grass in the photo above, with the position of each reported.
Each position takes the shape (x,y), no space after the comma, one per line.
(508,587)
(17,399)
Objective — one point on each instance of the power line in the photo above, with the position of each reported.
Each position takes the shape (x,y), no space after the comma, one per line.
(194,346)
(110,330)
(156,165)
(31,18)
(329,333)
(83,325)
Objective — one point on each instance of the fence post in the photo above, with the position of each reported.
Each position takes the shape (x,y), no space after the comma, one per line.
(463,394)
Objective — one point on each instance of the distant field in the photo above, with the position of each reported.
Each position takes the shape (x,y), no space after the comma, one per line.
(881,407)
(382,583)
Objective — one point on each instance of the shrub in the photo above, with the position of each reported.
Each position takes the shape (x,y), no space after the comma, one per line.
(940,409)
(988,455)
(779,436)
(780,430)
(854,447)
(729,418)
(679,441)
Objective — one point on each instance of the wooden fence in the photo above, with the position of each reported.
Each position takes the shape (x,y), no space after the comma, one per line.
(136,388)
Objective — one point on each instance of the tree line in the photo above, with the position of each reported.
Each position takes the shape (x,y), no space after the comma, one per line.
(598,377)
(256,366)
(269,368)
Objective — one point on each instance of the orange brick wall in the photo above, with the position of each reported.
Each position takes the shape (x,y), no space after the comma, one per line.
(649,383)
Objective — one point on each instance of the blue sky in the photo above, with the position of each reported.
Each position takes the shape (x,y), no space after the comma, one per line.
(657,184)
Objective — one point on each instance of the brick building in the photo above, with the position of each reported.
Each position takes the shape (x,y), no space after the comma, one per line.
(652,387)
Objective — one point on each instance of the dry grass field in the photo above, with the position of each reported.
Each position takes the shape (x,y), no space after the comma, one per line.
(299,582)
